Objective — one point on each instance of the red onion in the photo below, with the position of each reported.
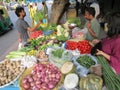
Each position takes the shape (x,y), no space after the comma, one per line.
(38,82)
(30,79)
(35,88)
(53,75)
(25,80)
(51,85)
(32,84)
(34,77)
(44,86)
(26,85)
(46,80)
(58,76)
(38,86)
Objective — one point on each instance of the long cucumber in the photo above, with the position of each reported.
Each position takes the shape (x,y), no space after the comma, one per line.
(17,53)
(111,80)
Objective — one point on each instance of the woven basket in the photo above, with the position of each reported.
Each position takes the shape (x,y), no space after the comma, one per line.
(26,72)
(71,13)
(29,70)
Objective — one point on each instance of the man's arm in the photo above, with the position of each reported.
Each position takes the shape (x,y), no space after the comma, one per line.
(88,25)
(35,27)
(20,37)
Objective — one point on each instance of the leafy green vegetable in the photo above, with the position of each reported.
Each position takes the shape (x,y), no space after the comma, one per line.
(49,27)
(85,61)
(61,38)
(39,15)
(58,53)
(76,21)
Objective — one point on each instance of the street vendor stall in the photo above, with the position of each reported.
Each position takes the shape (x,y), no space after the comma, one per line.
(52,57)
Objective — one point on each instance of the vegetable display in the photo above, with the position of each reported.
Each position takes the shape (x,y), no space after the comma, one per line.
(58,56)
(35,34)
(111,80)
(41,56)
(71,45)
(9,72)
(43,77)
(85,61)
(58,53)
(28,61)
(91,82)
(83,46)
(61,38)
(15,55)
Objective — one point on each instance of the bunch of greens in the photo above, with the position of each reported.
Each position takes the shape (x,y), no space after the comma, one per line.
(61,38)
(39,15)
(76,21)
(58,53)
(49,27)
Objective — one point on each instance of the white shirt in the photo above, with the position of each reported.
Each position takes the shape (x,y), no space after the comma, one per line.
(97,8)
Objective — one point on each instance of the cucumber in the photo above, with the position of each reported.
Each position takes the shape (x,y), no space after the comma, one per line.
(13,56)
(17,53)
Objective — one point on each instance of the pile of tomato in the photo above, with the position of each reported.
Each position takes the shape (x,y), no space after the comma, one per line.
(36,34)
(83,46)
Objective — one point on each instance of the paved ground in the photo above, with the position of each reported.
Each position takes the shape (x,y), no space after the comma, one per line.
(9,41)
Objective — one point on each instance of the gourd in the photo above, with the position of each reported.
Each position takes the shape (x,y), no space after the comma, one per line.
(68,67)
(91,82)
(71,81)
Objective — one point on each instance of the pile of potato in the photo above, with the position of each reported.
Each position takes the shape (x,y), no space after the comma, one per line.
(9,70)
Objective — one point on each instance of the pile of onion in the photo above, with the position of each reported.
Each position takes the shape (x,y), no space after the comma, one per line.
(43,77)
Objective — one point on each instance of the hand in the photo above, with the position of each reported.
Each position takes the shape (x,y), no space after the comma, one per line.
(107,56)
(20,40)
(95,41)
(88,25)
(39,22)
(99,52)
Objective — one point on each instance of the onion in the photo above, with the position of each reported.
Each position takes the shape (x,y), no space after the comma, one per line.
(50,76)
(44,86)
(34,77)
(29,76)
(58,76)
(32,84)
(57,80)
(38,82)
(55,68)
(35,88)
(38,86)
(30,79)
(51,85)
(46,80)
(25,80)
(26,85)
(53,75)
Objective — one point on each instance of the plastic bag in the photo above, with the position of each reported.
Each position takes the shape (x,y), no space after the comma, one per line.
(20,45)
(60,61)
(67,55)
(81,70)
(81,34)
